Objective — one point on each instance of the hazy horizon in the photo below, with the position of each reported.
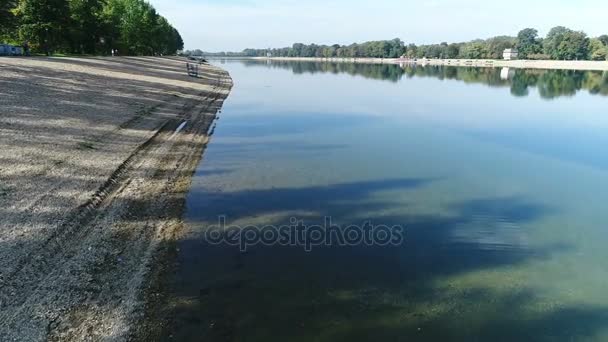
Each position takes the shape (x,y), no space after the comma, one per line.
(233,25)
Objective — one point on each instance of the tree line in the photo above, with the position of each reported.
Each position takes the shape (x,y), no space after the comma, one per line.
(560,43)
(130,27)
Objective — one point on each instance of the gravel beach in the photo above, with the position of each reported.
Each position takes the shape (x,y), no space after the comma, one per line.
(92,183)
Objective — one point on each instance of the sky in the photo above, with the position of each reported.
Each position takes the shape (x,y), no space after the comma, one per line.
(233,25)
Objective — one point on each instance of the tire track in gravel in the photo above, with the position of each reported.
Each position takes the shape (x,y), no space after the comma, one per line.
(63,271)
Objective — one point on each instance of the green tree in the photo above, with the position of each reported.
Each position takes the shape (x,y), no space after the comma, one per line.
(528,43)
(453,50)
(86,25)
(396,49)
(7,19)
(44,23)
(134,27)
(597,50)
(573,46)
(553,40)
(604,39)
(328,52)
(139,28)
(494,47)
(111,22)
(473,50)
(412,50)
(178,41)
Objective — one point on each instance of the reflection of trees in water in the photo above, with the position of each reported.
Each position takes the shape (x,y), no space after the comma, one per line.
(559,83)
(556,83)
(389,72)
(596,83)
(550,83)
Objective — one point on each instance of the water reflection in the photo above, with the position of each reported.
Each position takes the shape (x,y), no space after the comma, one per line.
(550,83)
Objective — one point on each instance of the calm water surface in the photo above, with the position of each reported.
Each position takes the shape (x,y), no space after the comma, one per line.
(499,177)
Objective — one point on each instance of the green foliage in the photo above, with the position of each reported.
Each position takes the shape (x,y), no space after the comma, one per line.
(395,48)
(377,49)
(412,51)
(89,26)
(597,50)
(453,50)
(7,19)
(474,50)
(111,21)
(44,23)
(539,56)
(494,47)
(553,40)
(139,21)
(575,46)
(563,43)
(528,43)
(86,25)
(560,43)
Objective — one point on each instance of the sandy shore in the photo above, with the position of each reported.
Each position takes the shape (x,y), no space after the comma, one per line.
(523,64)
(93,178)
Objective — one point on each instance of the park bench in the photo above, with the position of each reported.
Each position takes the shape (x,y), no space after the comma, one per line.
(192,69)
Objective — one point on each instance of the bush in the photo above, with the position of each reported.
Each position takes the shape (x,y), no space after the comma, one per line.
(538,56)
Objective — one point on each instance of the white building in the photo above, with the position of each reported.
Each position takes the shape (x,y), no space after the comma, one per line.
(510,54)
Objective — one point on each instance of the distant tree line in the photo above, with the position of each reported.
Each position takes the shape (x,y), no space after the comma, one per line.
(560,44)
(131,27)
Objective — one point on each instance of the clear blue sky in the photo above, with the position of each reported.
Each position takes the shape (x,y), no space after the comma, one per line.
(232,25)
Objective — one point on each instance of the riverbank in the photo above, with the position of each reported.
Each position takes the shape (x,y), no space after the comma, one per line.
(521,64)
(96,157)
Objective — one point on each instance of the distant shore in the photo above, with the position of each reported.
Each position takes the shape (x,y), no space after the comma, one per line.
(521,64)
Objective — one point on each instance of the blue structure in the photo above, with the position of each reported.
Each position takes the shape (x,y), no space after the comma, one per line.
(10,50)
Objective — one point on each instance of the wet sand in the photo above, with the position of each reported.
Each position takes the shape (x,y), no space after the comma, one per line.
(92,183)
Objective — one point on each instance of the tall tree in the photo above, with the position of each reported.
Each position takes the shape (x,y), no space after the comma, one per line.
(452,50)
(553,40)
(111,22)
(86,25)
(473,50)
(8,21)
(496,46)
(412,50)
(397,48)
(528,43)
(597,50)
(178,41)
(573,46)
(44,23)
(138,27)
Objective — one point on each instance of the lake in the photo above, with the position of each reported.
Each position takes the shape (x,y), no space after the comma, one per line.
(497,177)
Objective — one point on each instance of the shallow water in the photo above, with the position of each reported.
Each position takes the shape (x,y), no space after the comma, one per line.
(498,177)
